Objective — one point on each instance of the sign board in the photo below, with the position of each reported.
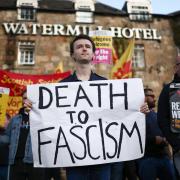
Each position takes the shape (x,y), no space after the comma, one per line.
(103,43)
(17,83)
(4,96)
(174,101)
(74,30)
(86,123)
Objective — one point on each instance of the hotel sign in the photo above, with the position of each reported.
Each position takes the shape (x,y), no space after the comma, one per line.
(74,30)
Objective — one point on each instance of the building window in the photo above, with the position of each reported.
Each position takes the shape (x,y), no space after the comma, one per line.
(26,53)
(84,17)
(143,16)
(27,13)
(84,11)
(138,57)
(140,13)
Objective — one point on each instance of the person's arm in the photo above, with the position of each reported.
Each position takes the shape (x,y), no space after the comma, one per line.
(144,108)
(27,105)
(156,140)
(4,139)
(152,139)
(9,129)
(163,117)
(3,136)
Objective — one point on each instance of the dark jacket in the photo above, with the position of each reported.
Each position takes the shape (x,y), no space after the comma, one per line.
(163,116)
(4,147)
(13,132)
(152,130)
(73,78)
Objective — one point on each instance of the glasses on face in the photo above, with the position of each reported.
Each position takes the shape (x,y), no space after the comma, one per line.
(150,95)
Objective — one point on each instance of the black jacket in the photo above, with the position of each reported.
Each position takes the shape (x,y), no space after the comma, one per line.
(163,116)
(73,78)
(152,130)
(4,148)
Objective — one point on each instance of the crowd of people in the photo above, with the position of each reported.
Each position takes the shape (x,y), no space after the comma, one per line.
(162,144)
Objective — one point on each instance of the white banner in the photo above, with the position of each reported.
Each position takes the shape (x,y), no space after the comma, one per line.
(85,123)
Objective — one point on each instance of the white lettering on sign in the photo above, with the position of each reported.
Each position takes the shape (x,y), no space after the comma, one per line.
(175,110)
(85,123)
(74,30)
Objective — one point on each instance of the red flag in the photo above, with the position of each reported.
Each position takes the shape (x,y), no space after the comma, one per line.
(123,67)
(114,56)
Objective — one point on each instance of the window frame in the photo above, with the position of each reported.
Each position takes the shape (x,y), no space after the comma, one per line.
(140,13)
(28,12)
(26,53)
(138,57)
(82,17)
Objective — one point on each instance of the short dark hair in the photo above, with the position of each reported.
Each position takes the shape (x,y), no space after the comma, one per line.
(81,36)
(146,90)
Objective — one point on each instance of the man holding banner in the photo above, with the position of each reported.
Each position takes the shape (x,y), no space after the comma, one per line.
(82,50)
(169,114)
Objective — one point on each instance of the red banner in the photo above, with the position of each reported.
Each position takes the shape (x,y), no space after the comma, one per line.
(17,82)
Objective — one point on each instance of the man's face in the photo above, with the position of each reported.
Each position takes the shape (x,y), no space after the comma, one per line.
(177,67)
(83,51)
(150,99)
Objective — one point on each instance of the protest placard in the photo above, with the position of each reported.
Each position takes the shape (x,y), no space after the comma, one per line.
(174,102)
(4,96)
(85,123)
(17,83)
(103,43)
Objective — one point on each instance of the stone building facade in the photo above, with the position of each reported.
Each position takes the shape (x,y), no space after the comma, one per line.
(44,39)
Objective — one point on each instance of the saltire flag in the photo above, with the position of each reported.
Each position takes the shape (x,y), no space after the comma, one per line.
(123,67)
(114,56)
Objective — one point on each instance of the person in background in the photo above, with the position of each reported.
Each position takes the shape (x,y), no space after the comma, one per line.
(164,116)
(20,148)
(4,150)
(156,162)
(82,50)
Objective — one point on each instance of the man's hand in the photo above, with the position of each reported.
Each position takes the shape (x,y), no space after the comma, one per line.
(161,140)
(144,108)
(27,105)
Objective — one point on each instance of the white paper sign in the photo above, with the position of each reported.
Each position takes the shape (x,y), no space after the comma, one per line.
(85,123)
(4,90)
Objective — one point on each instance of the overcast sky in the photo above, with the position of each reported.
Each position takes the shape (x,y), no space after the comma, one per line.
(158,6)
